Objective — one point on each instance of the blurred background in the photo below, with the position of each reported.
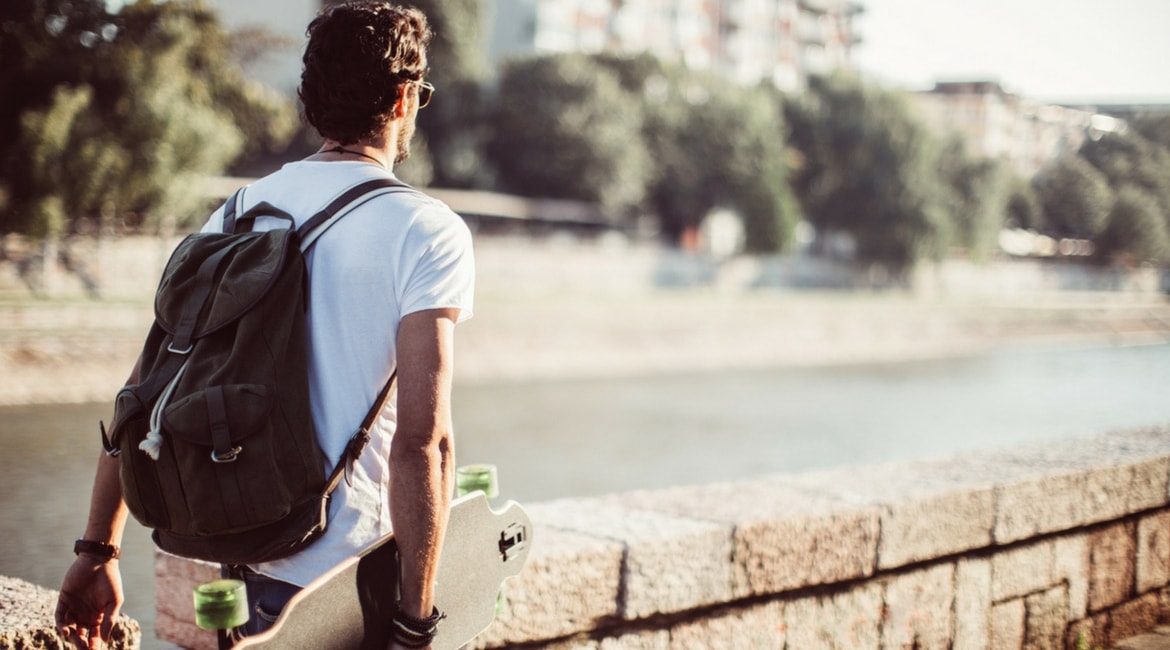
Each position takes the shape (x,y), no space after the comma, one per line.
(714,238)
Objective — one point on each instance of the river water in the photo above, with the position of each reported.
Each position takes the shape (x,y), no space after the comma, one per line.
(584,437)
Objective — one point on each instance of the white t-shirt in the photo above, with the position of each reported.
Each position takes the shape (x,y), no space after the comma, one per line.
(393,255)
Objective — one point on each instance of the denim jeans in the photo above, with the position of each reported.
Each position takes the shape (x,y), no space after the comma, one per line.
(266,599)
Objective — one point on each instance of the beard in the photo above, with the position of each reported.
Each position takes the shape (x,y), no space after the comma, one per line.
(402,147)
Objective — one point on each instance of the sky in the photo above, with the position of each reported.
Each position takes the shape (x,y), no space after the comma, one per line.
(1058,50)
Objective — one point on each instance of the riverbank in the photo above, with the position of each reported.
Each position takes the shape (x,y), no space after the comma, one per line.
(78,350)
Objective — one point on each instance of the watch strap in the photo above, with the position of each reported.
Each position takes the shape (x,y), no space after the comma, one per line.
(97,549)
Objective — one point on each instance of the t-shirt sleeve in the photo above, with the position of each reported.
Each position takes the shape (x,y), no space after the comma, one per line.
(438,263)
(214,222)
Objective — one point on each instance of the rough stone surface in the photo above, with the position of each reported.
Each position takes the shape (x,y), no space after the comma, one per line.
(1094,630)
(1145,642)
(671,563)
(26,619)
(845,621)
(183,633)
(926,509)
(648,640)
(1153,552)
(1007,625)
(757,626)
(1111,565)
(972,603)
(784,538)
(174,580)
(1070,555)
(568,584)
(1020,570)
(1134,617)
(918,609)
(1044,619)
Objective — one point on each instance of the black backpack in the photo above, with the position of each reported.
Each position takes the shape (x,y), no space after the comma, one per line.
(218,450)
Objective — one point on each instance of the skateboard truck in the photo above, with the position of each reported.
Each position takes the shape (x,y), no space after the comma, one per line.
(512,540)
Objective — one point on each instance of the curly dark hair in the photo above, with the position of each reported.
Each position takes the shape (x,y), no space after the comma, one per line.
(358,57)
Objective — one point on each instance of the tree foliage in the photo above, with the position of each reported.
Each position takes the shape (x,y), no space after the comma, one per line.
(714,144)
(128,110)
(977,190)
(1022,207)
(1075,198)
(455,124)
(563,127)
(869,169)
(1136,228)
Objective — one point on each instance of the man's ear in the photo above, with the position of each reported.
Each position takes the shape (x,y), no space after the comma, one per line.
(399,110)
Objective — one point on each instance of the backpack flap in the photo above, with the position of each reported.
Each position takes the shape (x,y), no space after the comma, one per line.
(190,301)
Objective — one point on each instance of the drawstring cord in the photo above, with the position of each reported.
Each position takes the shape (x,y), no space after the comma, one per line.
(152,444)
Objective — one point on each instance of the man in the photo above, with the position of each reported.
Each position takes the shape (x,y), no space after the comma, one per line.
(388,283)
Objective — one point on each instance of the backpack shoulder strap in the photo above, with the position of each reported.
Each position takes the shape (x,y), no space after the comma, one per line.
(361,438)
(231,208)
(315,226)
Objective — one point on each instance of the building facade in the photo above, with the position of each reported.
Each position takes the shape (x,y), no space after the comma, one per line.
(782,41)
(1026,133)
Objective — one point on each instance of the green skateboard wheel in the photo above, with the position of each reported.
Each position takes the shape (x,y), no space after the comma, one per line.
(221,604)
(470,478)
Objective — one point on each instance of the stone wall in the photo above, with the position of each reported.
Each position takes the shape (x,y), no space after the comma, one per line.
(26,620)
(1023,548)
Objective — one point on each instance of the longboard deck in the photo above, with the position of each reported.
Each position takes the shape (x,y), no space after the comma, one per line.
(351,605)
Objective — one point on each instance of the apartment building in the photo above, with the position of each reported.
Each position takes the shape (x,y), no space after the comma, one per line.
(995,123)
(782,41)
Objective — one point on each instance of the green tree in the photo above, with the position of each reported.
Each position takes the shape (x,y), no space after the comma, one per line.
(715,144)
(564,128)
(868,168)
(455,124)
(1130,159)
(1075,197)
(1136,228)
(1023,206)
(978,197)
(129,110)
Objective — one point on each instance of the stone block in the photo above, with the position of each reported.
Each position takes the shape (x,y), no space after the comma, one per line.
(918,609)
(1111,565)
(925,512)
(569,583)
(1134,617)
(1070,563)
(650,640)
(757,626)
(1020,570)
(184,634)
(783,538)
(972,603)
(1144,642)
(1045,619)
(27,619)
(671,563)
(1093,631)
(1153,552)
(195,571)
(845,621)
(1007,625)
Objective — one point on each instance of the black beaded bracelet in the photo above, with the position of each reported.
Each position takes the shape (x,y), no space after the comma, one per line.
(416,632)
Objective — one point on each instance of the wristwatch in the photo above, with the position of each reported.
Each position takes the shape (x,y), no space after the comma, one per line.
(97,549)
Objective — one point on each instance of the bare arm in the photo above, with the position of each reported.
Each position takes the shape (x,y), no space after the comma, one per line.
(421,454)
(91,592)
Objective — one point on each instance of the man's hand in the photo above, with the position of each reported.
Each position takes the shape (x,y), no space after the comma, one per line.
(91,596)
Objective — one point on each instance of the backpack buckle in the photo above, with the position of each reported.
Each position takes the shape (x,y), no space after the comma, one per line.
(228,457)
(171,348)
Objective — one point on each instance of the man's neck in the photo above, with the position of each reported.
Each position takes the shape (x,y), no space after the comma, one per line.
(380,151)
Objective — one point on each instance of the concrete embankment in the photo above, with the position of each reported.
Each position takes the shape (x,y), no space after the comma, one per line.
(1042,546)
(554,310)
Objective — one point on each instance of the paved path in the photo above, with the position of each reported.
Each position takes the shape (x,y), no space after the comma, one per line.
(1158,639)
